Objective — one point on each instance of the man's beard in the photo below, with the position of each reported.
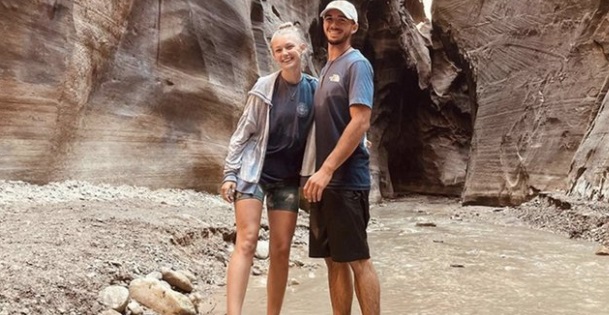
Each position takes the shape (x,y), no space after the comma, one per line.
(339,41)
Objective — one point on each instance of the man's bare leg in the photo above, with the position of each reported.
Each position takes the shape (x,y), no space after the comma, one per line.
(340,283)
(367,287)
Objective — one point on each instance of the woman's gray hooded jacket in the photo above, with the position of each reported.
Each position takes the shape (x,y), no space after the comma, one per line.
(247,147)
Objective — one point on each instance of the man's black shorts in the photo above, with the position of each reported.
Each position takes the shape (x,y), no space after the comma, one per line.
(338,225)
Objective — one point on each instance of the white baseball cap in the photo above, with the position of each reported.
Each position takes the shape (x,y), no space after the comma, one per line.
(346,7)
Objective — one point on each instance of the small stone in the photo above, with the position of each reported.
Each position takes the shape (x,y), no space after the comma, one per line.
(196,298)
(262,250)
(191,276)
(155,275)
(135,308)
(256,271)
(294,282)
(457,265)
(115,297)
(177,280)
(298,263)
(602,251)
(154,295)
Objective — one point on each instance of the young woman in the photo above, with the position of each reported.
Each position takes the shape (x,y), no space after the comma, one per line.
(264,161)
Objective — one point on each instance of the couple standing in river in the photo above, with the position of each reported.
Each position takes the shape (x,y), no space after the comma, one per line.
(295,126)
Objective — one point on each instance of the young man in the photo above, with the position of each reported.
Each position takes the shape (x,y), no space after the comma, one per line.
(339,189)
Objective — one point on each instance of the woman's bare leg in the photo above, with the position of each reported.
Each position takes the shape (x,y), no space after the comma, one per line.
(247,217)
(281,225)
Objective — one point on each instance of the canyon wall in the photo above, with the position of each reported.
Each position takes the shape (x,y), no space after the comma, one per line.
(129,92)
(540,71)
(490,101)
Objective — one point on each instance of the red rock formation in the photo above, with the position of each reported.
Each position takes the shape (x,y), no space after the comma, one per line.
(503,99)
(540,71)
(499,104)
(129,92)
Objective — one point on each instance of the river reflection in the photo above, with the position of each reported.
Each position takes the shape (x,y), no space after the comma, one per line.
(460,267)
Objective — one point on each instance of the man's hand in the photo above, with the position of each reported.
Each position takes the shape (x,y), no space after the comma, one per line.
(316,184)
(228,191)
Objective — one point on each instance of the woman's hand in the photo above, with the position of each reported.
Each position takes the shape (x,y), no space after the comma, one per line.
(228,191)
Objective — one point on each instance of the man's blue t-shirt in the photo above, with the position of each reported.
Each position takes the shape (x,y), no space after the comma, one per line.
(345,81)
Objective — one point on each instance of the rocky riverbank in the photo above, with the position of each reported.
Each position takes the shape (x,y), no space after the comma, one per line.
(69,248)
(64,243)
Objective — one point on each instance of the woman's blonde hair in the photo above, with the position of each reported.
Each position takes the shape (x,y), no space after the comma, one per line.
(290,28)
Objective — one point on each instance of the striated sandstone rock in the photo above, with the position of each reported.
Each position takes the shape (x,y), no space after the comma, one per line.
(539,71)
(129,92)
(501,100)
(499,104)
(590,167)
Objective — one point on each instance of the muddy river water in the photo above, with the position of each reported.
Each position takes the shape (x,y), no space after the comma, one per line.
(460,266)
